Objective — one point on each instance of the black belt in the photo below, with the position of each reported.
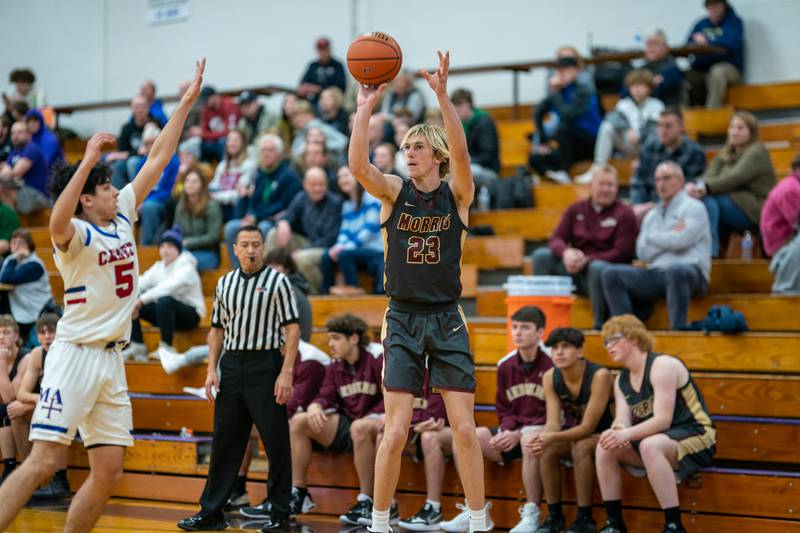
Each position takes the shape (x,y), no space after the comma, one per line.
(252,353)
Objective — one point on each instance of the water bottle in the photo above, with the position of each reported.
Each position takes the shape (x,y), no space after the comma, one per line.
(747,246)
(484,199)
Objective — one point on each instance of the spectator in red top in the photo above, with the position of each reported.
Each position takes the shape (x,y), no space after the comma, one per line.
(520,407)
(346,415)
(779,224)
(592,233)
(217,118)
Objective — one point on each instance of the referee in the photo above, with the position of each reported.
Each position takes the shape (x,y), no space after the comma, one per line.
(250,382)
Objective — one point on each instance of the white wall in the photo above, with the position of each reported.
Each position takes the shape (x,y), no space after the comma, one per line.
(90,50)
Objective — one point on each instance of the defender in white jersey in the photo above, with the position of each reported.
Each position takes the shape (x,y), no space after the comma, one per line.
(84,385)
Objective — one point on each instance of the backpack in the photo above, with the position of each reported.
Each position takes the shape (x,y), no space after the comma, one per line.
(513,192)
(719,318)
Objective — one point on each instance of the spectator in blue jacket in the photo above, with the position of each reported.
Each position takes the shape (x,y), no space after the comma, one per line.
(152,210)
(712,74)
(263,202)
(42,137)
(27,168)
(667,77)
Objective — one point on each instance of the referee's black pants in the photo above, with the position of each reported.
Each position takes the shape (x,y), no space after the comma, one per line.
(246,397)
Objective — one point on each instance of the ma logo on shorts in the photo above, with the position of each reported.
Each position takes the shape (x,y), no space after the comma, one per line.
(51,401)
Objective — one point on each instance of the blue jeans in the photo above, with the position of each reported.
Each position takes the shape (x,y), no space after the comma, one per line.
(629,289)
(212,150)
(151,214)
(349,263)
(123,171)
(206,259)
(230,229)
(725,217)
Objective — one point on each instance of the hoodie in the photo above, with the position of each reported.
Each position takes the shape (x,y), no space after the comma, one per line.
(45,139)
(179,279)
(728,34)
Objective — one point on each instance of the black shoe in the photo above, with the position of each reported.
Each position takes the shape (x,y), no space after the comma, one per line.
(612,526)
(262,510)
(672,527)
(57,489)
(552,524)
(301,502)
(583,524)
(427,519)
(362,510)
(200,522)
(273,523)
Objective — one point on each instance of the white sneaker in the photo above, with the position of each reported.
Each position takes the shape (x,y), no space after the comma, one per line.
(559,176)
(529,519)
(171,361)
(586,177)
(461,521)
(135,351)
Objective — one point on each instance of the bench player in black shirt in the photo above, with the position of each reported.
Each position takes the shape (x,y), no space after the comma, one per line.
(424,223)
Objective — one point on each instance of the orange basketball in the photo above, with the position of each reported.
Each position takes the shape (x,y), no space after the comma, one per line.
(374,58)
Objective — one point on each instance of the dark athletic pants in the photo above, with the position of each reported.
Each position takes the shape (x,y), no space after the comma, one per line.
(169,315)
(246,397)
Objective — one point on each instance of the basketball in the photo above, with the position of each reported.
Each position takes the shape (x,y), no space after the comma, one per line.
(374,58)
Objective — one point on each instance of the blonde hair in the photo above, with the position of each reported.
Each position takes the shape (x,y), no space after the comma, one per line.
(632,328)
(437,138)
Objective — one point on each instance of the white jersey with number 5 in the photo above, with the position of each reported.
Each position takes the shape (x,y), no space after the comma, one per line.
(101,277)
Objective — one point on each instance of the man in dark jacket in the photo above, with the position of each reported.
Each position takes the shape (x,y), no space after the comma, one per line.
(276,184)
(667,77)
(711,74)
(325,72)
(309,226)
(482,142)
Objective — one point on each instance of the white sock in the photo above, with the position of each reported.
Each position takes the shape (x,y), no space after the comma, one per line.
(436,505)
(477,520)
(380,521)
(363,497)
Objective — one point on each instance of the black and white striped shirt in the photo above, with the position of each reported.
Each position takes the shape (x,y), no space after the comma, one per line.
(251,308)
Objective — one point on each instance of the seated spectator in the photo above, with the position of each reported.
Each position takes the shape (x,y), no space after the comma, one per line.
(735,185)
(580,391)
(9,354)
(521,410)
(154,105)
(315,154)
(218,117)
(712,74)
(192,129)
(303,119)
(152,210)
(402,95)
(359,245)
(482,141)
(234,174)
(126,159)
(400,124)
(670,144)
(331,111)
(9,220)
(631,123)
(42,137)
(578,111)
(383,158)
(27,166)
(31,291)
(256,119)
(275,186)
(662,425)
(170,296)
(285,128)
(667,77)
(25,90)
(779,231)
(5,138)
(376,132)
(433,116)
(591,235)
(199,219)
(325,72)
(309,226)
(189,157)
(675,242)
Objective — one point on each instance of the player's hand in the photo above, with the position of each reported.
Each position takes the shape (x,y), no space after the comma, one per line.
(94,148)
(438,80)
(431,424)
(370,95)
(212,385)
(699,38)
(193,91)
(17,409)
(316,418)
(283,387)
(538,444)
(612,439)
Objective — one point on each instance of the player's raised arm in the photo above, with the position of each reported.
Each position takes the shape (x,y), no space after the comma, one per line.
(61,229)
(373,180)
(461,183)
(167,142)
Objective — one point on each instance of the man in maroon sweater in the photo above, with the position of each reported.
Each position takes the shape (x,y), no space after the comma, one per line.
(217,118)
(591,234)
(346,415)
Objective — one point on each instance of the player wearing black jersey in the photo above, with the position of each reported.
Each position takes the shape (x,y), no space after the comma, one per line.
(581,389)
(424,221)
(662,423)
